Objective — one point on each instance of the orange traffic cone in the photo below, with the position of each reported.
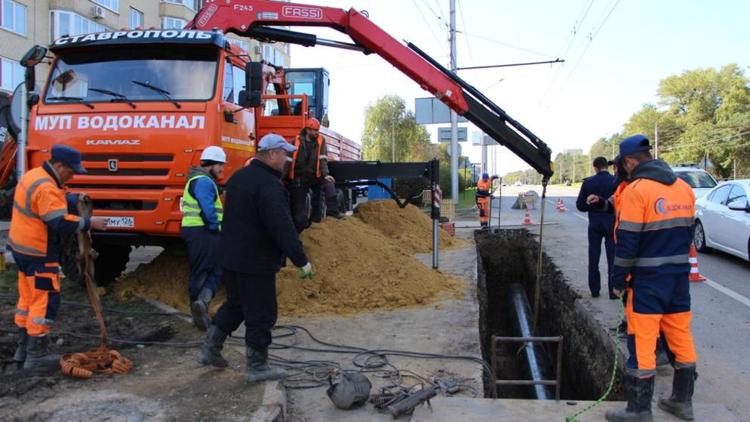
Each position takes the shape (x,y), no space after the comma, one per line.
(561,205)
(527,218)
(695,275)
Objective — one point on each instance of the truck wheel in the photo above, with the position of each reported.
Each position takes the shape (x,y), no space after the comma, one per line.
(6,198)
(69,259)
(110,262)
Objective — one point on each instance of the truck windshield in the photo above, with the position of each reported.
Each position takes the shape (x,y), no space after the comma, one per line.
(183,73)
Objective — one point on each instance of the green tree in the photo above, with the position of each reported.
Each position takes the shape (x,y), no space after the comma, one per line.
(392,132)
(710,112)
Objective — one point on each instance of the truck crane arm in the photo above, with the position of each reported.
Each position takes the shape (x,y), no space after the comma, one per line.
(254,18)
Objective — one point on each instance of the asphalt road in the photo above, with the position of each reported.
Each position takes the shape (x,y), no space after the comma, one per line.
(721,305)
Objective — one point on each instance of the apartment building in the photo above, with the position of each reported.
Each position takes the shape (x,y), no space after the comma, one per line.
(24,23)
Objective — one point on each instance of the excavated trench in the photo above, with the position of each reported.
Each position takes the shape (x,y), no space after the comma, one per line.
(507,267)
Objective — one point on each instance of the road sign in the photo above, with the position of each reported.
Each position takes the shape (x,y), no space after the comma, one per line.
(444,134)
(479,139)
(428,111)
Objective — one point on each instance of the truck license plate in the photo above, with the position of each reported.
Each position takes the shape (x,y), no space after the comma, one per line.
(121,222)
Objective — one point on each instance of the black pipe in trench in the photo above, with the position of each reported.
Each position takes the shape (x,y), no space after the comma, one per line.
(534,359)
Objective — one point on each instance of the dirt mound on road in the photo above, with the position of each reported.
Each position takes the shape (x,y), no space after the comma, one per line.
(358,267)
(409,227)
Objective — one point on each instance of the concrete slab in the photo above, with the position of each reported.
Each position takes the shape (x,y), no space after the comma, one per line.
(450,409)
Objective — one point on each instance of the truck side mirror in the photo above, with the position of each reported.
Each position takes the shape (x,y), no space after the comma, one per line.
(254,84)
(33,57)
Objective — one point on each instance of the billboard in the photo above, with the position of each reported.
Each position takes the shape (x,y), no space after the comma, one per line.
(429,111)
(444,134)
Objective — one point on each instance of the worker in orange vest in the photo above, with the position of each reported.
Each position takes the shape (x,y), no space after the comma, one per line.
(483,196)
(40,217)
(654,233)
(308,175)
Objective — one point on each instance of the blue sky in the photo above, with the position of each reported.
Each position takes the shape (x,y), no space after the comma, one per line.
(614,61)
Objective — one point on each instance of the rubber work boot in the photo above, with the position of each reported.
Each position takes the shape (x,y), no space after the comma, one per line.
(199,309)
(638,409)
(23,337)
(38,357)
(210,351)
(257,367)
(680,403)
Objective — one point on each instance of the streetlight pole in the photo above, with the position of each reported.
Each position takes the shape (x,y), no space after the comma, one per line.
(454,116)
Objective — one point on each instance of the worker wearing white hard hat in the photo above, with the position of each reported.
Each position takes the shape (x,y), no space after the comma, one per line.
(202,213)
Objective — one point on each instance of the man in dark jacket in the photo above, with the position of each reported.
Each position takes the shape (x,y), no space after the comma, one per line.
(601,223)
(257,236)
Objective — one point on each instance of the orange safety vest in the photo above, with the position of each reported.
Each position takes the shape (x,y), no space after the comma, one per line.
(297,143)
(617,204)
(38,199)
(484,185)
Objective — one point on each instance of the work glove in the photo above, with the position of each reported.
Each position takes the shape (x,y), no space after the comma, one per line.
(306,271)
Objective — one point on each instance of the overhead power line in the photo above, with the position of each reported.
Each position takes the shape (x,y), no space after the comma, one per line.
(528,50)
(427,22)
(510,65)
(463,24)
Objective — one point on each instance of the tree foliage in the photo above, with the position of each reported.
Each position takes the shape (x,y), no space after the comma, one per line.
(706,114)
(392,132)
(699,114)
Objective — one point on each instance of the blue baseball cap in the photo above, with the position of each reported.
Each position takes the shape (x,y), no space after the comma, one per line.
(634,144)
(274,141)
(485,176)
(68,156)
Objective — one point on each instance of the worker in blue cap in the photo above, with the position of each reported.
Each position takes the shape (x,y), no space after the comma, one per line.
(40,217)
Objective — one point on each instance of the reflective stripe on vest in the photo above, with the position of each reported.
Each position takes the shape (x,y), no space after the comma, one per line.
(191,209)
(297,142)
(28,230)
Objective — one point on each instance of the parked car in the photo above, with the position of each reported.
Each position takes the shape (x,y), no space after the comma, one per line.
(698,179)
(722,219)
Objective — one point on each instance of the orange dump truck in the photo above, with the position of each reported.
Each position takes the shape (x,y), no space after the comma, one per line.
(141,105)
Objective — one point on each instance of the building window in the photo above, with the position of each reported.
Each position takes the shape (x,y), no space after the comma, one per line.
(272,55)
(241,44)
(72,24)
(13,16)
(168,22)
(136,18)
(11,74)
(112,5)
(191,4)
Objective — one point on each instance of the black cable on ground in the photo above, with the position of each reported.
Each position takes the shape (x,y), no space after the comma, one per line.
(304,374)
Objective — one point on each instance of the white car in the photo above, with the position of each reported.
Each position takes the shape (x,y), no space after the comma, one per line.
(722,219)
(697,178)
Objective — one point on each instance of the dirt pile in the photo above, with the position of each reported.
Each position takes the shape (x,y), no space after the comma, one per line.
(360,264)
(409,227)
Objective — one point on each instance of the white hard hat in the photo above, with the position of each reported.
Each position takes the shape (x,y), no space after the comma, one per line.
(214,153)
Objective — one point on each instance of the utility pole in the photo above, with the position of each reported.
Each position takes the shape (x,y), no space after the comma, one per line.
(393,144)
(485,164)
(454,116)
(656,140)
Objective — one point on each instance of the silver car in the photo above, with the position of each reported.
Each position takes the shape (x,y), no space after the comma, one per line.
(722,219)
(698,179)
